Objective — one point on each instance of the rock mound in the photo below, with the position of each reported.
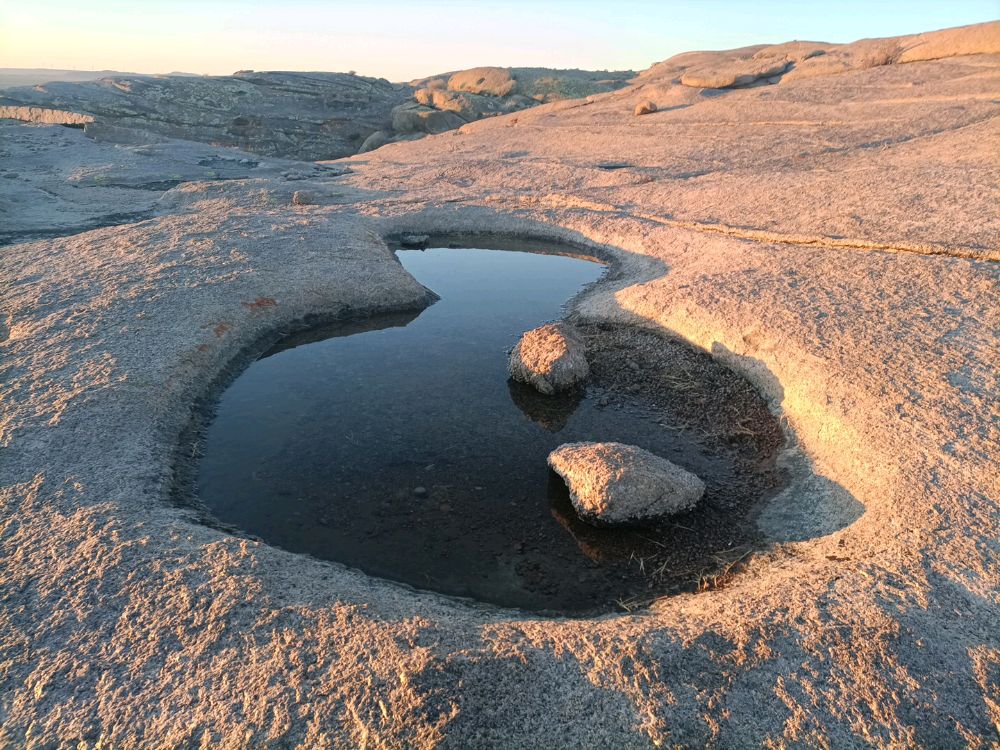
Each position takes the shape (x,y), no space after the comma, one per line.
(619,484)
(551,358)
(761,64)
(491,81)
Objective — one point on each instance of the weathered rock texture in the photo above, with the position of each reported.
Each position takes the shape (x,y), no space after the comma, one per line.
(832,237)
(616,484)
(305,115)
(550,358)
(56,180)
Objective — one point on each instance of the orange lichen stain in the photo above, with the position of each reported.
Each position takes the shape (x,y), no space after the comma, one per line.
(260,302)
(221,329)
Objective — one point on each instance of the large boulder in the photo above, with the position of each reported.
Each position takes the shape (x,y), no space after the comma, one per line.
(734,73)
(490,81)
(550,358)
(614,484)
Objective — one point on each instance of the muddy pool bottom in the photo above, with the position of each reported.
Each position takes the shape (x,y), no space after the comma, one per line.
(397,445)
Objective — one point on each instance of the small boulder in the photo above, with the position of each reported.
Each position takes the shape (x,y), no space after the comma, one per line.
(550,358)
(614,484)
(303,198)
(416,118)
(645,108)
(376,140)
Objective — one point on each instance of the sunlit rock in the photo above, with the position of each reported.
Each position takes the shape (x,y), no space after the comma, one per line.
(551,358)
(618,484)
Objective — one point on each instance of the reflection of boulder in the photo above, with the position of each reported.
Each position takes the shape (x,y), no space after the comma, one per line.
(615,483)
(551,412)
(600,545)
(340,328)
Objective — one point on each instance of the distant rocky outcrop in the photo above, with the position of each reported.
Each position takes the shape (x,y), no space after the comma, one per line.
(45,116)
(310,116)
(34,76)
(449,100)
(772,63)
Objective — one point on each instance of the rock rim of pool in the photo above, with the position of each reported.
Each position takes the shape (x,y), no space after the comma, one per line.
(615,484)
(550,358)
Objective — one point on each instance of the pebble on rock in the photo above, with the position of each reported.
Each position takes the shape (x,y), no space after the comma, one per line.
(645,108)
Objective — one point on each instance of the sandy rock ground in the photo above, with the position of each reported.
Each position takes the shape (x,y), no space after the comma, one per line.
(833,237)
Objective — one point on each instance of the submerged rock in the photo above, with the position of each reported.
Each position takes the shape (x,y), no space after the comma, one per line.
(618,484)
(551,358)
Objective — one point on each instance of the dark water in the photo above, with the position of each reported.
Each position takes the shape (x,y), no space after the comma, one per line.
(322,446)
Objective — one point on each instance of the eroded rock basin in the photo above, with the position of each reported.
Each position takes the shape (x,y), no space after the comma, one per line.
(397,445)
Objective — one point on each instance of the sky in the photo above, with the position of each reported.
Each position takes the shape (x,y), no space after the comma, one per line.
(405,40)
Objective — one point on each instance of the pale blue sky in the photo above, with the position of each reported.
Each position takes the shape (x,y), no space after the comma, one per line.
(405,40)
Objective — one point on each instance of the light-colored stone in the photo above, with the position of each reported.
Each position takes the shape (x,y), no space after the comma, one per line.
(729,74)
(551,358)
(44,115)
(645,108)
(616,484)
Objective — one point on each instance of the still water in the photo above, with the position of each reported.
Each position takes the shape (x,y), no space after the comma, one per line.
(398,445)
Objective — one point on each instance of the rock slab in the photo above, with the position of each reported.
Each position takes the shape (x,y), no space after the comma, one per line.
(614,484)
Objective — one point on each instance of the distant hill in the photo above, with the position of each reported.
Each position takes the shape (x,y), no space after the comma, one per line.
(300,115)
(33,76)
